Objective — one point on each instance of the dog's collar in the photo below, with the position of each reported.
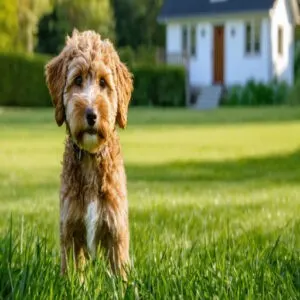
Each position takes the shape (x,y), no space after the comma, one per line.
(80,153)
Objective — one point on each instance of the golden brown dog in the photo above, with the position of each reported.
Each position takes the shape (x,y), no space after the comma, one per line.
(91,89)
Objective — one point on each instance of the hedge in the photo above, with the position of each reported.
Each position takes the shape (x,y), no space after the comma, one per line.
(257,93)
(159,86)
(23,83)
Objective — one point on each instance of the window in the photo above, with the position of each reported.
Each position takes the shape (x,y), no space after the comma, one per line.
(189,40)
(257,37)
(253,37)
(280,40)
(193,40)
(248,38)
(184,39)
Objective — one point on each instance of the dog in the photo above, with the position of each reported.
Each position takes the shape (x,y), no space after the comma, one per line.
(91,89)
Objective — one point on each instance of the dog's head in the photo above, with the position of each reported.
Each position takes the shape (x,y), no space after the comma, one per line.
(90,89)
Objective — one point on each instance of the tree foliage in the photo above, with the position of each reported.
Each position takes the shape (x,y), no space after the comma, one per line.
(130,23)
(51,33)
(136,23)
(70,14)
(8,25)
(29,12)
(18,21)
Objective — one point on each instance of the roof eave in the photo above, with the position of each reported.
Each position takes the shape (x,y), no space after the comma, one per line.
(164,20)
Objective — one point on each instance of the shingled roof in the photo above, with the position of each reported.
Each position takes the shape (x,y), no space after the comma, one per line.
(188,8)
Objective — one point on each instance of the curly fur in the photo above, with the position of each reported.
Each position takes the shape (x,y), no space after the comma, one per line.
(93,197)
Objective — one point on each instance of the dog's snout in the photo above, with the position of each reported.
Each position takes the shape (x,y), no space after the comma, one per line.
(90,116)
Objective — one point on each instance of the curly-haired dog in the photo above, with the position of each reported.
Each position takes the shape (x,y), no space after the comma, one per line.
(91,89)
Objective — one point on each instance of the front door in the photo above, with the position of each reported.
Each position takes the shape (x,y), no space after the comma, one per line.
(218,54)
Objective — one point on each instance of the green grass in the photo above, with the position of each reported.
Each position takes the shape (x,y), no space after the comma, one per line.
(214,206)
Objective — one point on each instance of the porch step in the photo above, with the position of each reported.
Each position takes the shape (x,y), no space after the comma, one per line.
(209,97)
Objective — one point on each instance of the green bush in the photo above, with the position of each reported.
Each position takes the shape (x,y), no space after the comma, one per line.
(141,56)
(146,55)
(127,55)
(297,62)
(23,83)
(257,93)
(159,86)
(281,92)
(294,95)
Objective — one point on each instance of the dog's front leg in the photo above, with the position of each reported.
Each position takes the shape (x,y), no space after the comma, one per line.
(118,253)
(72,249)
(65,246)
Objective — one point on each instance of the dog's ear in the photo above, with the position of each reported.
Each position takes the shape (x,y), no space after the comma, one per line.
(55,72)
(124,90)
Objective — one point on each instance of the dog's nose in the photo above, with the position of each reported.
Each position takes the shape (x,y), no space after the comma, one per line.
(90,116)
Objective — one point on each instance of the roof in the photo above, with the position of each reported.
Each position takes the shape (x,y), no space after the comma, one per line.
(186,8)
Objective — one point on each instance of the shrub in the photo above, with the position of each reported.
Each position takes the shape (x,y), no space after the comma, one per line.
(23,83)
(143,55)
(294,95)
(159,86)
(297,62)
(257,93)
(146,55)
(127,55)
(233,96)
(281,92)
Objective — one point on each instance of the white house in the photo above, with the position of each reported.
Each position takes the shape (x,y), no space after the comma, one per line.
(227,42)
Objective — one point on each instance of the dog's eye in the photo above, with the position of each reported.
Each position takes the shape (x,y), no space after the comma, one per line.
(102,83)
(78,80)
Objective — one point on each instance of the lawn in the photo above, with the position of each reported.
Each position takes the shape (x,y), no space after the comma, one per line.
(214,206)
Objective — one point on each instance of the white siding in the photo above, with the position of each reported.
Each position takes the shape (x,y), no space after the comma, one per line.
(240,66)
(283,67)
(201,65)
(173,38)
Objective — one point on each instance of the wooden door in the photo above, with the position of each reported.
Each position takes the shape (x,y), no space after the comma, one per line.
(218,54)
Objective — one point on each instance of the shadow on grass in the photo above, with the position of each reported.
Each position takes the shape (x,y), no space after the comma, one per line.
(275,168)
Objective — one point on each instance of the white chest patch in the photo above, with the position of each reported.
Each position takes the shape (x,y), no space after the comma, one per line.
(91,223)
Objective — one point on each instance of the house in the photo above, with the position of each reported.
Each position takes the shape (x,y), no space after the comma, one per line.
(228,42)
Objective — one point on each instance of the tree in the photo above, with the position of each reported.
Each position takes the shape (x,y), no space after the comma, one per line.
(70,14)
(50,35)
(8,25)
(29,12)
(136,23)
(92,14)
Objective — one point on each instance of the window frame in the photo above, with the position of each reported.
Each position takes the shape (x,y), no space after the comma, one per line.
(280,39)
(253,46)
(189,38)
(184,39)
(193,40)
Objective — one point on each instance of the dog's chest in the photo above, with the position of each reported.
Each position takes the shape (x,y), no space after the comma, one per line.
(92,203)
(92,222)
(85,206)
(99,220)
(98,216)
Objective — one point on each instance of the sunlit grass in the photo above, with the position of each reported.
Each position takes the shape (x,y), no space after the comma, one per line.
(214,206)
